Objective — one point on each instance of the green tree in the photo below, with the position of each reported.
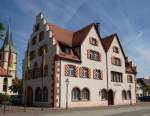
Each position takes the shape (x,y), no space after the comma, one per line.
(16,86)
(147,89)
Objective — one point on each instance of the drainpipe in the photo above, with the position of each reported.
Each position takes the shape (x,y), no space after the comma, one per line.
(107,75)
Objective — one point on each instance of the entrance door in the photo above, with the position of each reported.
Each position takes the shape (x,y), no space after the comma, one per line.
(110,97)
(29,96)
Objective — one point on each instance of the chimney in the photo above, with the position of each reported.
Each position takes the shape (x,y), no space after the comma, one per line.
(98,26)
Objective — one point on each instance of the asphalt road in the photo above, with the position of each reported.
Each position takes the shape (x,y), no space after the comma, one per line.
(135,110)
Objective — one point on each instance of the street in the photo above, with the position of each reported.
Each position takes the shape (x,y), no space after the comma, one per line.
(142,109)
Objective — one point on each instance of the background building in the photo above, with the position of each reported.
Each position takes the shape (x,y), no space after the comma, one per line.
(8,62)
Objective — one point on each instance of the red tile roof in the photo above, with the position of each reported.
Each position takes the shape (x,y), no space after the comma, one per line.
(108,40)
(69,38)
(3,72)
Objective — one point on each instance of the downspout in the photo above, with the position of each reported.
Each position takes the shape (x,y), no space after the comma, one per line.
(60,86)
(107,75)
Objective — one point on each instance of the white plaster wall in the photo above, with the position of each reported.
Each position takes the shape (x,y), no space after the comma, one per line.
(139,90)
(116,86)
(9,84)
(93,85)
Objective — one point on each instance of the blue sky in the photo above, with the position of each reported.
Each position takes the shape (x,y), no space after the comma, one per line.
(128,18)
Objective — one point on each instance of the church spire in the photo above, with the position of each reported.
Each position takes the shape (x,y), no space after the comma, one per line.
(8,43)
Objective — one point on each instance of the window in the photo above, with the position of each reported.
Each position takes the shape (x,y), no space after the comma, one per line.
(93,55)
(93,41)
(85,94)
(116,61)
(38,94)
(104,94)
(128,94)
(32,55)
(116,76)
(40,50)
(34,40)
(71,70)
(45,94)
(76,94)
(35,70)
(85,72)
(37,27)
(115,49)
(97,74)
(46,70)
(67,50)
(124,95)
(5,84)
(41,36)
(129,79)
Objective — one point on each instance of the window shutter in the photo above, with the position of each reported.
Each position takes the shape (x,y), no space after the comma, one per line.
(112,60)
(100,57)
(120,62)
(89,73)
(88,54)
(66,70)
(101,75)
(76,71)
(94,73)
(80,72)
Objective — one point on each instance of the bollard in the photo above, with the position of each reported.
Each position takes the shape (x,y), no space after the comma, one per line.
(4,111)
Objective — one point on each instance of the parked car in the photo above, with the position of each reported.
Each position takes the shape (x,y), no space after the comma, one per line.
(16,99)
(144,98)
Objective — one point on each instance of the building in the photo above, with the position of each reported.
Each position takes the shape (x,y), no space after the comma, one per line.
(8,62)
(141,85)
(80,69)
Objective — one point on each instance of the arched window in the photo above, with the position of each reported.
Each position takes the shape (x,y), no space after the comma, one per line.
(85,94)
(76,94)
(45,94)
(5,84)
(38,94)
(124,95)
(128,94)
(104,94)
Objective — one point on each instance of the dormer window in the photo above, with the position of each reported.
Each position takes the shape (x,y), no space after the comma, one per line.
(93,41)
(115,49)
(67,50)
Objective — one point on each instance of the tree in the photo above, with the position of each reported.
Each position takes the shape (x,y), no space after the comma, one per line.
(147,89)
(16,86)
(1,30)
(4,97)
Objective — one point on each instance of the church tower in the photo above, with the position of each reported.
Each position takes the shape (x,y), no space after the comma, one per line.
(8,54)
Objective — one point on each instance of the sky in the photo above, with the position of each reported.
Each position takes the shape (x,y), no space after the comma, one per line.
(128,18)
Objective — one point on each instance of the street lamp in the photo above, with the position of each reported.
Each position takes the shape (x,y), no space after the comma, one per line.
(67,84)
(130,94)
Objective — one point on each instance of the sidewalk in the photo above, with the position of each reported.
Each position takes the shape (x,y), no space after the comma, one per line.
(35,111)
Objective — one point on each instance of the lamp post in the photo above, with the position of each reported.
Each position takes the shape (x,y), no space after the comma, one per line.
(130,94)
(67,84)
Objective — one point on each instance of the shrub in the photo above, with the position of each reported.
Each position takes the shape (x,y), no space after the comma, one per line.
(4,97)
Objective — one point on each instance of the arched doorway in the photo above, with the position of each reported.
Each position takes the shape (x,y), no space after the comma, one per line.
(110,97)
(29,96)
